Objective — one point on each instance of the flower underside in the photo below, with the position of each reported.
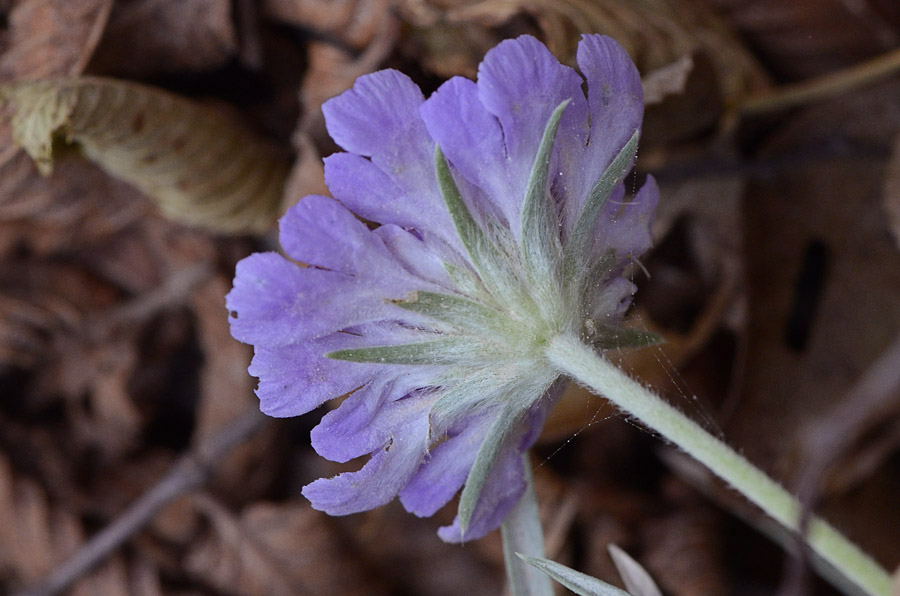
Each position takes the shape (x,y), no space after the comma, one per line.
(503,226)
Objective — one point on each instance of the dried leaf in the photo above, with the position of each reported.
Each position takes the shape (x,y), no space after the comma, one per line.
(122,484)
(332,70)
(79,206)
(307,176)
(226,392)
(41,301)
(683,547)
(96,380)
(201,168)
(276,550)
(354,22)
(655,32)
(819,332)
(150,37)
(805,38)
(824,284)
(52,38)
(38,535)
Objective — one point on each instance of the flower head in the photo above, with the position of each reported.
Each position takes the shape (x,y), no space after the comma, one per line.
(502,223)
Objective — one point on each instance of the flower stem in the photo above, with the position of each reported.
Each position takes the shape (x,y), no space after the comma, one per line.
(521,532)
(580,362)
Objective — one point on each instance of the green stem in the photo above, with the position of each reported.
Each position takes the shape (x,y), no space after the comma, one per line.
(521,532)
(580,362)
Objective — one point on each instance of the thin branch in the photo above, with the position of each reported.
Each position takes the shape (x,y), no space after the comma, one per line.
(190,472)
(824,87)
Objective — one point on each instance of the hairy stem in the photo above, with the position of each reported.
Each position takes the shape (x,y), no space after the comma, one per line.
(580,362)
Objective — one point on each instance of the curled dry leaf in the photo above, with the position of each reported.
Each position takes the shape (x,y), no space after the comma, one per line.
(150,37)
(43,39)
(200,167)
(276,550)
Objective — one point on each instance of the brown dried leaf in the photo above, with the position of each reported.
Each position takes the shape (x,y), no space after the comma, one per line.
(79,206)
(52,38)
(276,550)
(332,70)
(41,301)
(38,535)
(824,285)
(655,32)
(354,22)
(95,382)
(683,549)
(226,392)
(202,168)
(447,49)
(833,224)
(805,38)
(150,37)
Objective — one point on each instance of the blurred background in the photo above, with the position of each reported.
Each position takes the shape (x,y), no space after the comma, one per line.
(772,126)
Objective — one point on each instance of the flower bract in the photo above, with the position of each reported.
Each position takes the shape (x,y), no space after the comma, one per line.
(498,221)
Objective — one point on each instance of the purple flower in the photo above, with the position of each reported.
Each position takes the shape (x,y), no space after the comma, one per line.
(502,224)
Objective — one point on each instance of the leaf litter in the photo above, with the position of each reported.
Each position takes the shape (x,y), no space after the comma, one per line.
(774,281)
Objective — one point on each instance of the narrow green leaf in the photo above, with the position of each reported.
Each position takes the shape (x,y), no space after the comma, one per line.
(521,533)
(467,228)
(540,223)
(613,338)
(487,454)
(580,583)
(579,241)
(443,351)
(488,259)
(635,577)
(594,278)
(456,310)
